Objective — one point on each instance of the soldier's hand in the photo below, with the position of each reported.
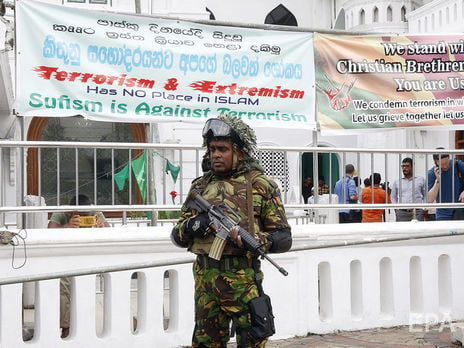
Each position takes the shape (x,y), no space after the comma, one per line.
(199,226)
(235,236)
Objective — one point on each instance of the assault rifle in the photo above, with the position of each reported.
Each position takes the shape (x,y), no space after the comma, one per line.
(224,223)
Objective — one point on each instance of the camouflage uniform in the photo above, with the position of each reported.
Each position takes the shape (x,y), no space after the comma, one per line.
(224,288)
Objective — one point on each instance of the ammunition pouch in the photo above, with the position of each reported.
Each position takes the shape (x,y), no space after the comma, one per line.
(262,318)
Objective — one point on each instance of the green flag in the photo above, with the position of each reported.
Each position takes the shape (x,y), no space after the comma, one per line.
(121,177)
(140,173)
(173,169)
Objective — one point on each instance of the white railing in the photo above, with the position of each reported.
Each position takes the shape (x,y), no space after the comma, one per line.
(406,282)
(13,156)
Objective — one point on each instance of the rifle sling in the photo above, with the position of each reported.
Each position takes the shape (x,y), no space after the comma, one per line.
(251,228)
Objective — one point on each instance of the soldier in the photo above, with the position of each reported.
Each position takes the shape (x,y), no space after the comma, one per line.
(224,288)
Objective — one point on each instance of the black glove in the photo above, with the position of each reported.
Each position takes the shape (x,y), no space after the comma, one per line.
(198,225)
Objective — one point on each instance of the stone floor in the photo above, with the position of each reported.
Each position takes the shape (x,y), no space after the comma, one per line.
(396,337)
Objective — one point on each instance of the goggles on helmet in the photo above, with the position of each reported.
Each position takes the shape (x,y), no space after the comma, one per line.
(217,128)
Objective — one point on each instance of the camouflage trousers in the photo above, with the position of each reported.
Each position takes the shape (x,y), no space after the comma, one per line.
(220,297)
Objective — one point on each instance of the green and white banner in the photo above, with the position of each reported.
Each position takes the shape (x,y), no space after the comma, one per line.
(121,68)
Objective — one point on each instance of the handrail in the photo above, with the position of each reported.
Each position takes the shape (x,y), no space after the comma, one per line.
(190,258)
(157,207)
(121,145)
(95,270)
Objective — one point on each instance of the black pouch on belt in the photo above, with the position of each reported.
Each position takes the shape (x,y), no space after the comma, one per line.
(262,319)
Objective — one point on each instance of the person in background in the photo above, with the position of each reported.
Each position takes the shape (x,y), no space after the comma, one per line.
(345,189)
(442,178)
(323,188)
(374,194)
(306,188)
(409,189)
(73,220)
(224,288)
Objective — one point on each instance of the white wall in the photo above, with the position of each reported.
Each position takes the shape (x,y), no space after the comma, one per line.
(345,288)
(306,13)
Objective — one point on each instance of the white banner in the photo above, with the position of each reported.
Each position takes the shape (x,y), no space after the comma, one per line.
(121,68)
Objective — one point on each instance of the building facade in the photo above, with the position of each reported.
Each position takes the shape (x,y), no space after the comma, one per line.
(353,16)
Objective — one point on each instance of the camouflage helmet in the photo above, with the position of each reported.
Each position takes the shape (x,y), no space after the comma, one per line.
(226,126)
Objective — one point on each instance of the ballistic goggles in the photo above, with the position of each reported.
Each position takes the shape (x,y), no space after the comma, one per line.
(216,128)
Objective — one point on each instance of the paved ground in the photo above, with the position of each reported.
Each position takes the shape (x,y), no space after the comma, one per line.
(397,337)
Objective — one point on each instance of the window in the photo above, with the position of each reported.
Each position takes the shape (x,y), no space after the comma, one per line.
(389,14)
(375,15)
(362,17)
(403,14)
(275,166)
(90,163)
(80,129)
(281,16)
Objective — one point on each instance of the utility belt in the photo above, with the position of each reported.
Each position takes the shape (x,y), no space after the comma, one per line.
(226,263)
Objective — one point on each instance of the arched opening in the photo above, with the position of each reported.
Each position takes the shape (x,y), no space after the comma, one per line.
(362,17)
(281,16)
(56,181)
(403,14)
(375,15)
(328,167)
(389,14)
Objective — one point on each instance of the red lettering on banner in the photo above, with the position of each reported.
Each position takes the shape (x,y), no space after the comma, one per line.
(52,73)
(232,89)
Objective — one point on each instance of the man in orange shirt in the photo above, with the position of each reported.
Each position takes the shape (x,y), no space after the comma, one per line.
(379,196)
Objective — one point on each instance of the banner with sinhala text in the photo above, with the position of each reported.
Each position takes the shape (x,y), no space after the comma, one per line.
(122,68)
(389,81)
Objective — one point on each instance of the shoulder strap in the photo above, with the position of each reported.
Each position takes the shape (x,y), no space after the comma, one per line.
(249,194)
(250,177)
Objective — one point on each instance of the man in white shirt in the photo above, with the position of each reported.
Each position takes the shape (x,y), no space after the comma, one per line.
(409,189)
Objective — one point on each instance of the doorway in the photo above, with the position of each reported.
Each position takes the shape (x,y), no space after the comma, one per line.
(90,164)
(327,166)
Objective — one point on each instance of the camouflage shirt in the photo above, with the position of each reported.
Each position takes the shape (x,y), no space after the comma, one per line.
(268,210)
